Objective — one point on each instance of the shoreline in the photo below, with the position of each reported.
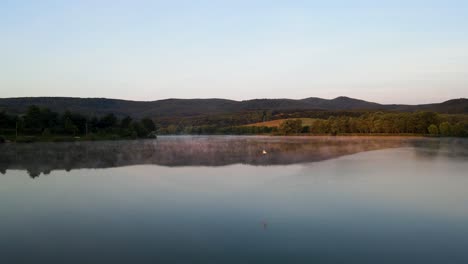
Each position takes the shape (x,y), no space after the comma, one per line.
(58,139)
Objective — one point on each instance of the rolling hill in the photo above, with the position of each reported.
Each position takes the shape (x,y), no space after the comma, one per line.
(197,107)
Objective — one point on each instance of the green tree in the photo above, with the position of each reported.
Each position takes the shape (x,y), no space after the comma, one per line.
(7,121)
(333,126)
(69,127)
(148,124)
(32,120)
(290,126)
(139,129)
(107,121)
(457,130)
(126,122)
(424,120)
(319,126)
(433,130)
(445,129)
(172,129)
(188,130)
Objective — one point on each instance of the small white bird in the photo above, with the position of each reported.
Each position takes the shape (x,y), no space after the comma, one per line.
(264,152)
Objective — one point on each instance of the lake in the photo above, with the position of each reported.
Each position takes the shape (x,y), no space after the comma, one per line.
(233,199)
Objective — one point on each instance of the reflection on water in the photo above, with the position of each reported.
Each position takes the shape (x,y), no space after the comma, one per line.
(215,200)
(204,151)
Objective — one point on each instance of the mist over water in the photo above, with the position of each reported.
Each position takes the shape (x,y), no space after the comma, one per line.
(176,151)
(235,200)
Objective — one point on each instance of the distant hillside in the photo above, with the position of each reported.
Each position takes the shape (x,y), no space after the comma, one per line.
(197,107)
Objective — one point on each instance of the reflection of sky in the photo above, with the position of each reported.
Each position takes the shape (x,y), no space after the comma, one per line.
(147,50)
(394,175)
(367,203)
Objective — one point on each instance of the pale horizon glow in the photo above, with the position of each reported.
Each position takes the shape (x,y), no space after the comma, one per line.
(405,52)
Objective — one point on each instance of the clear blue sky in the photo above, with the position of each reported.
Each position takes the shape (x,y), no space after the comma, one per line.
(393,52)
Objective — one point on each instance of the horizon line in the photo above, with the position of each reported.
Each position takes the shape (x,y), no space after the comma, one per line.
(219,98)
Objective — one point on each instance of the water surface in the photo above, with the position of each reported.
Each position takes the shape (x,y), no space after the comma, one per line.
(235,200)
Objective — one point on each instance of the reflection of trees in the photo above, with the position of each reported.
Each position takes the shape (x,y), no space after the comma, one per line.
(40,158)
(448,147)
(428,149)
(34,172)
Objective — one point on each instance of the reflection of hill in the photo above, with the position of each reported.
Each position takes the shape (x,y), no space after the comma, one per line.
(190,151)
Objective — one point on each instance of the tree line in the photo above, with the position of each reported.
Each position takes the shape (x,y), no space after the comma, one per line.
(421,123)
(44,122)
(393,123)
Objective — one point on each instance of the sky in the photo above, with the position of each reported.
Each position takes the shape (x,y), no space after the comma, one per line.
(383,51)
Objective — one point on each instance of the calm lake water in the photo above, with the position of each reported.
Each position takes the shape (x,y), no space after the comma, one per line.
(235,200)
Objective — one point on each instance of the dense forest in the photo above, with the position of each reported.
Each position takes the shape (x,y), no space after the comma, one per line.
(422,123)
(43,124)
(324,122)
